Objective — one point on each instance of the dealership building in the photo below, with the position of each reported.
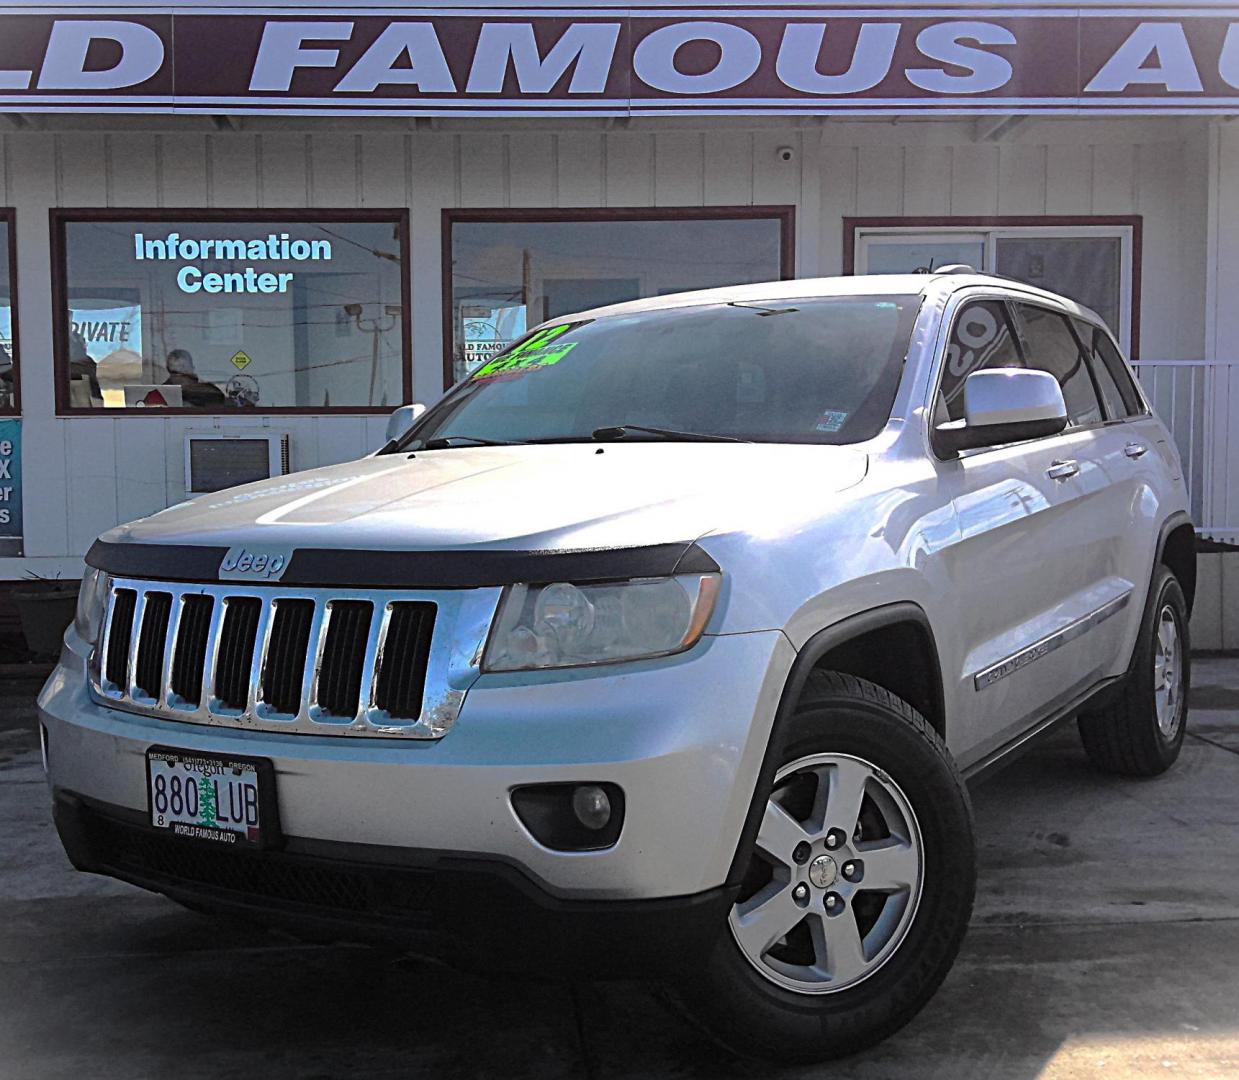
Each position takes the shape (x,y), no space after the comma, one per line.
(233,239)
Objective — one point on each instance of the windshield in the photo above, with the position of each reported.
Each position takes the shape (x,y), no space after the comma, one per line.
(815,370)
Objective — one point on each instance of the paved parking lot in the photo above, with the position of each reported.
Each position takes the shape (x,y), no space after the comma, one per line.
(1105,943)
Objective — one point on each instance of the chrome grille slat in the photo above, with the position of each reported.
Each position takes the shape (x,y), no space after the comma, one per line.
(299,660)
(120,631)
(152,645)
(190,648)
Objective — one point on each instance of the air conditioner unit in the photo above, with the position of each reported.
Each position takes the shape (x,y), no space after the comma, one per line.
(220,459)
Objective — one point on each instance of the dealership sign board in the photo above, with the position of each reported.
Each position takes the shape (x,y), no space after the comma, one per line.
(719,58)
(10,488)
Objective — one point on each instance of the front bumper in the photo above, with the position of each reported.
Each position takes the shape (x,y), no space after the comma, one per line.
(684,737)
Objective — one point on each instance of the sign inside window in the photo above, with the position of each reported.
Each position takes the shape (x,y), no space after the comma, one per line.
(192,278)
(10,488)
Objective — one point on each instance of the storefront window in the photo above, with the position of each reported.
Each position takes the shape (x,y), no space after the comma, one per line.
(1093,261)
(510,271)
(8,318)
(221,313)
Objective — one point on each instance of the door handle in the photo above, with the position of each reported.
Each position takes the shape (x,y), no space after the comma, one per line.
(1062,470)
(1135,450)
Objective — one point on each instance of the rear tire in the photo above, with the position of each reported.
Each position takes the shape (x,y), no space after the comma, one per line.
(1141,732)
(874,917)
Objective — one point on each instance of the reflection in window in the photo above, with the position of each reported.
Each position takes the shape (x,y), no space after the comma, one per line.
(8,347)
(508,276)
(227,315)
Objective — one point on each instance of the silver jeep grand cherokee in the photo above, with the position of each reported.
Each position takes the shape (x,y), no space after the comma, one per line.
(662,644)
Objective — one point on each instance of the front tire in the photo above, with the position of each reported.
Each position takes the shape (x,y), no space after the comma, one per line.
(859,890)
(1141,732)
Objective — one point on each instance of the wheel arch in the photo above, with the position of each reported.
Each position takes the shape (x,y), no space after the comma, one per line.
(852,643)
(1176,549)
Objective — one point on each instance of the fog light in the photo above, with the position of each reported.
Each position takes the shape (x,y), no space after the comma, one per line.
(571,816)
(591,806)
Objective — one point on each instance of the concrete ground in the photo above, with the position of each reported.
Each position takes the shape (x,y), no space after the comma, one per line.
(1105,944)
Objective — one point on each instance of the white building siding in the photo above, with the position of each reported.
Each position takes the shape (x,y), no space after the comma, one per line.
(83,475)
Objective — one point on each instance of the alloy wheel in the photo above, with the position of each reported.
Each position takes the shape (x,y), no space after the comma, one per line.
(835,879)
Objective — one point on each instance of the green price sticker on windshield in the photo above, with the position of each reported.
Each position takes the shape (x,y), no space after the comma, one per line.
(539,351)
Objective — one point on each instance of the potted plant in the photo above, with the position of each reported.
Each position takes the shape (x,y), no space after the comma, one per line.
(45,607)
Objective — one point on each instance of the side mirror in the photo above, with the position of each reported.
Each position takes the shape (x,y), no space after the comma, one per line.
(400,421)
(1004,405)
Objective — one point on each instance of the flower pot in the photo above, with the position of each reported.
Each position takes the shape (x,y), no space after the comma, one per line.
(45,614)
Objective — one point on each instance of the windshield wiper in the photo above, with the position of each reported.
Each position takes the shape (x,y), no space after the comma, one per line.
(618,431)
(444,442)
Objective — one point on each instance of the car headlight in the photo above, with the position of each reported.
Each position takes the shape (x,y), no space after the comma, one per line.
(565,625)
(91,599)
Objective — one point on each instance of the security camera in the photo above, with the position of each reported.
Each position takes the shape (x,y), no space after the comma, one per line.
(785,153)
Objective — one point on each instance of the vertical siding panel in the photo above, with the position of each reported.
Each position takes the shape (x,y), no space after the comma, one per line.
(1161,186)
(580,179)
(342,438)
(926,181)
(974,180)
(431,186)
(234,170)
(880,189)
(136,161)
(83,174)
(5,163)
(1021,179)
(1113,178)
(678,169)
(774,181)
(482,170)
(1192,208)
(32,184)
(90,446)
(727,168)
(382,170)
(531,164)
(630,169)
(1068,179)
(333,176)
(284,164)
(838,194)
(142,467)
(184,171)
(809,258)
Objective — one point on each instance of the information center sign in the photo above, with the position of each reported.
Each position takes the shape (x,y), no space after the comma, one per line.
(630,60)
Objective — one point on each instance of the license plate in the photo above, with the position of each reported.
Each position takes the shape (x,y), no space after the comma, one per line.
(213,797)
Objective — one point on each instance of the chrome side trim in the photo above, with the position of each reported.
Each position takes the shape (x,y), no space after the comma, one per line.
(1049,643)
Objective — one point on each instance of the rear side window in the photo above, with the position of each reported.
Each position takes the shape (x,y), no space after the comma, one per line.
(1049,345)
(982,337)
(1113,376)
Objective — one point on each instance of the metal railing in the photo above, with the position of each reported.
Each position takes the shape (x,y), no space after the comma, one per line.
(1198,400)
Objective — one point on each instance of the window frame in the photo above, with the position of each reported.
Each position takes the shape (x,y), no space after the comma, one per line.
(8,216)
(784,214)
(60,217)
(1127,228)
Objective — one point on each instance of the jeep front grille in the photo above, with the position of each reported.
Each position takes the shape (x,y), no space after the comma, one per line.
(343,661)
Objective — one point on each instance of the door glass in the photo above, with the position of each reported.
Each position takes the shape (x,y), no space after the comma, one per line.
(1050,346)
(1111,395)
(911,256)
(1087,269)
(982,337)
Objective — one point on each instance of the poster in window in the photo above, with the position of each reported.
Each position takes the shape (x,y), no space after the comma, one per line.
(10,488)
(488,330)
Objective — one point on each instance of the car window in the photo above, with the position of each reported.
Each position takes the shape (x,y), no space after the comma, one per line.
(1109,369)
(1111,395)
(1049,345)
(821,370)
(981,337)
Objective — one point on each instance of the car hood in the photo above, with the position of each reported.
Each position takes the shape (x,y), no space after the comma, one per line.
(550,497)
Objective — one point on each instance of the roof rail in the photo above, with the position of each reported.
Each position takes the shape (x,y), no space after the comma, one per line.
(955,268)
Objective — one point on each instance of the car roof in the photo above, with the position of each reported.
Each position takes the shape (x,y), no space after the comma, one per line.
(939,285)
